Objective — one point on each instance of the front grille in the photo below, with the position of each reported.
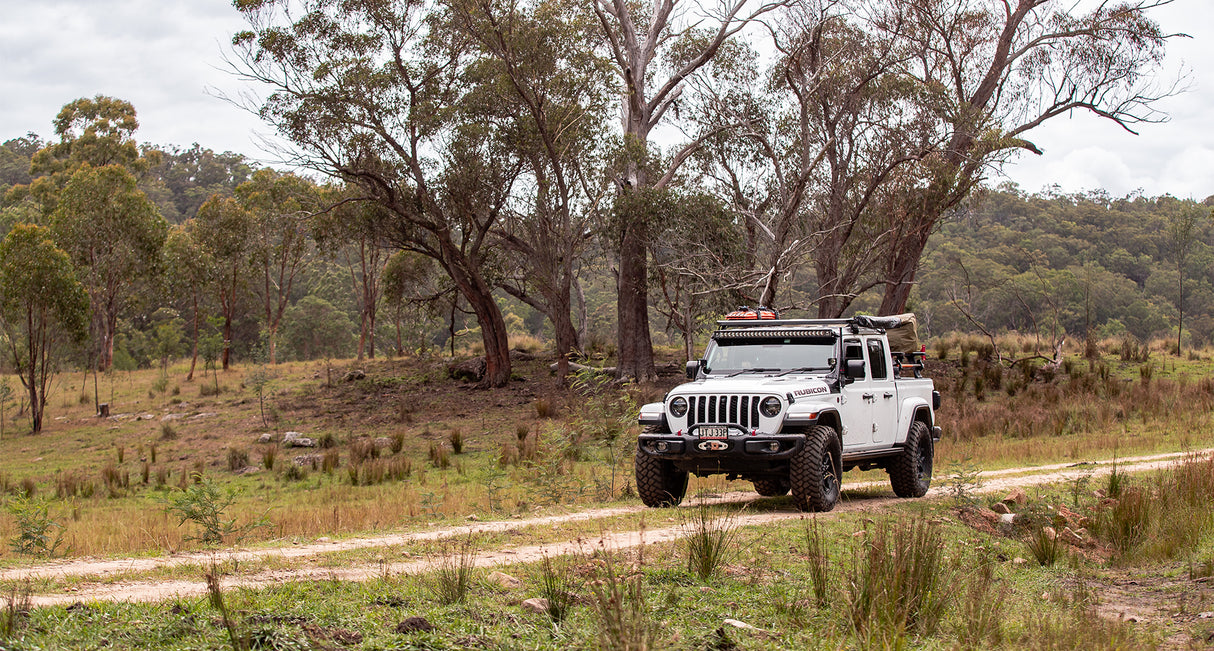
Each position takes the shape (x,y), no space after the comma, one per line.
(742,411)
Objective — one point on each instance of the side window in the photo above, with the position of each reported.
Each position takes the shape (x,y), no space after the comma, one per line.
(876,360)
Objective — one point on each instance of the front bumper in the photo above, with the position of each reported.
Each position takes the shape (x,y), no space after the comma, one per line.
(738,452)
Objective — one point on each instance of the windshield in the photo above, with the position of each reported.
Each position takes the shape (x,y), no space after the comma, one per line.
(769,354)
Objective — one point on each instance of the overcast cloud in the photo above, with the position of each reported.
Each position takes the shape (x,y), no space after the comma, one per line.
(166,58)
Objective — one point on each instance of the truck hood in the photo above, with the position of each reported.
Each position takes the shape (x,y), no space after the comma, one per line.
(798,385)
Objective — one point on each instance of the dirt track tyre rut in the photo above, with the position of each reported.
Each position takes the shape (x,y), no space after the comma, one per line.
(911,473)
(658,483)
(815,470)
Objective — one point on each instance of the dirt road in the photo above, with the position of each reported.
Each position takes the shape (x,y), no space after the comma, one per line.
(98,570)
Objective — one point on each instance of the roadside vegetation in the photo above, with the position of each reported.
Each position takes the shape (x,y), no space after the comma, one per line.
(404,447)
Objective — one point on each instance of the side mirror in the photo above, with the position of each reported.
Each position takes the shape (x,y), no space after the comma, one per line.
(693,369)
(853,369)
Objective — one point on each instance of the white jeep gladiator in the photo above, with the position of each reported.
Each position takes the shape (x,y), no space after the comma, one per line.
(791,405)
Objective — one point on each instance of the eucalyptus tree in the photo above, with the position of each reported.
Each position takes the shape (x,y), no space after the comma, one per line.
(347,232)
(114,234)
(376,93)
(280,207)
(994,71)
(656,48)
(223,231)
(822,140)
(550,94)
(190,272)
(42,307)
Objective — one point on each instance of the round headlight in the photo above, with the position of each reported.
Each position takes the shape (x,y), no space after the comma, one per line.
(678,407)
(770,407)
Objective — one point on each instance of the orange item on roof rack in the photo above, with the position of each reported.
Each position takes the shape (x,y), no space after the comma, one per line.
(744,313)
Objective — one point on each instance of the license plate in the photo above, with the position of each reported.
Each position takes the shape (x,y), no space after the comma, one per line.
(713,432)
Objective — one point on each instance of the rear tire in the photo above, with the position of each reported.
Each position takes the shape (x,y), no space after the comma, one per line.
(911,473)
(815,470)
(658,482)
(768,487)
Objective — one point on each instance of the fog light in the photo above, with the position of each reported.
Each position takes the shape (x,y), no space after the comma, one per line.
(774,446)
(662,446)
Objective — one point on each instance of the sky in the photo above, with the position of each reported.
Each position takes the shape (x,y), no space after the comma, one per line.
(166,57)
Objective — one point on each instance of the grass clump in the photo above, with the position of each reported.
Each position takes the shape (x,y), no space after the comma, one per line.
(556,581)
(620,614)
(897,584)
(710,540)
(452,579)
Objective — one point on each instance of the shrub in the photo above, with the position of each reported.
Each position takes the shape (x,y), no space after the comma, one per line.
(205,506)
(620,611)
(557,582)
(237,459)
(37,533)
(543,408)
(398,442)
(440,456)
(456,438)
(167,432)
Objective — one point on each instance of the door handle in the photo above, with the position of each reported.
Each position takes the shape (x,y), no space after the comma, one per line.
(869,396)
(888,396)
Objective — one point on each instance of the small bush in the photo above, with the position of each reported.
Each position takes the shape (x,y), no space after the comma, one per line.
(456,438)
(205,506)
(620,611)
(237,459)
(820,568)
(326,441)
(557,581)
(1044,544)
(17,607)
(37,533)
(543,408)
(167,432)
(363,449)
(979,625)
(294,472)
(897,582)
(440,455)
(398,442)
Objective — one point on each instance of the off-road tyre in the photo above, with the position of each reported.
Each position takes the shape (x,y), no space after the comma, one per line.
(768,487)
(658,482)
(815,470)
(911,472)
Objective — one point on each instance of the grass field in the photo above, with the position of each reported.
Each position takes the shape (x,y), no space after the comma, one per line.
(404,448)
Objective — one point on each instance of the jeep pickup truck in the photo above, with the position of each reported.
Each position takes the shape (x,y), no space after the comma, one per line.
(790,404)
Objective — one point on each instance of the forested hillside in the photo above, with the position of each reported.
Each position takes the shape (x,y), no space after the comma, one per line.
(1086,263)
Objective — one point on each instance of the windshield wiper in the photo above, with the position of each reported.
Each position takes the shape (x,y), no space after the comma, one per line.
(753,370)
(805,369)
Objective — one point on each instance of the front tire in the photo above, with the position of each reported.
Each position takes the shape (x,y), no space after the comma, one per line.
(911,473)
(768,487)
(658,482)
(815,470)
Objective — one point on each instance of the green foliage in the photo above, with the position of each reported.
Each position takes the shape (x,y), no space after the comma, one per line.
(314,328)
(42,306)
(37,533)
(204,505)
